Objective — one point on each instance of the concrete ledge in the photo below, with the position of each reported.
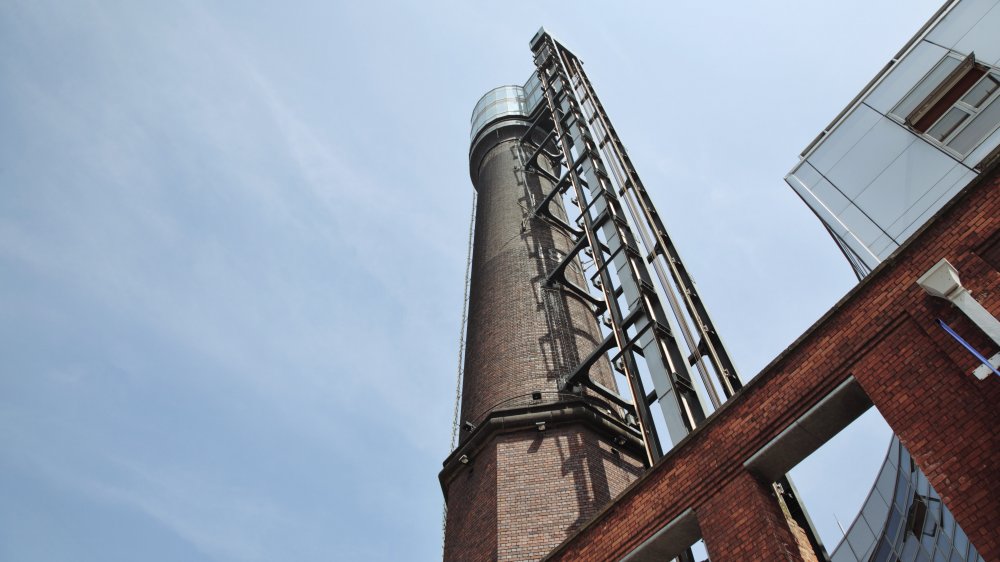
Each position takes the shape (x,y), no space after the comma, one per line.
(526,419)
(670,541)
(810,431)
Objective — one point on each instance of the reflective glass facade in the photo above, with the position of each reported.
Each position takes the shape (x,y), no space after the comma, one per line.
(904,520)
(505,101)
(533,92)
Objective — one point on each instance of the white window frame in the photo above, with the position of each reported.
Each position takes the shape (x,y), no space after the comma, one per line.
(938,91)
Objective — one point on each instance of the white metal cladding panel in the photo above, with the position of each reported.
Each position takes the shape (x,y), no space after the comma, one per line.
(904,182)
(830,196)
(931,200)
(819,187)
(904,76)
(875,151)
(818,206)
(983,38)
(805,174)
(947,192)
(843,138)
(860,225)
(969,20)
(848,224)
(884,246)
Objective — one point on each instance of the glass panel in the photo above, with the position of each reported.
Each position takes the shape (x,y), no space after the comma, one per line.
(830,196)
(981,36)
(884,484)
(893,526)
(961,541)
(497,103)
(893,455)
(921,484)
(884,552)
(963,17)
(839,142)
(924,88)
(843,554)
(930,522)
(978,94)
(977,129)
(875,511)
(901,482)
(860,225)
(943,541)
(948,123)
(860,537)
(807,174)
(927,539)
(949,523)
(870,156)
(868,553)
(894,192)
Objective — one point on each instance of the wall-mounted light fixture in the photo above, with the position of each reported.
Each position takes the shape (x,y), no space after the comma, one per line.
(942,281)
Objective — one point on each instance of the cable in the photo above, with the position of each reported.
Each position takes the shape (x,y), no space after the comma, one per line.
(461,352)
(461,328)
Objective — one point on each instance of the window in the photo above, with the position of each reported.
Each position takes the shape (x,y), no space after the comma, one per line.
(955,105)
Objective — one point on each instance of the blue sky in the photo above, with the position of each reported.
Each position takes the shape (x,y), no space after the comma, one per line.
(232,240)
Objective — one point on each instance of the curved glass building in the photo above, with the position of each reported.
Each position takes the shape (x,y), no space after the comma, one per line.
(903,519)
(505,101)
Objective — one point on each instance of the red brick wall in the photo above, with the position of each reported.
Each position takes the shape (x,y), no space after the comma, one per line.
(883,333)
(472,510)
(524,492)
(745,522)
(527,491)
(550,483)
(522,337)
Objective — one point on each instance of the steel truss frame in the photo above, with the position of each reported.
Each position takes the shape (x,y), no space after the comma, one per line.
(577,133)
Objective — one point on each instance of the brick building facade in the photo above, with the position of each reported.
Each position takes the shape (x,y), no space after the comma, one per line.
(547,467)
(880,345)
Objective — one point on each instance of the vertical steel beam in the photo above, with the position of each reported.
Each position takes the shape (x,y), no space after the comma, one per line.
(603,217)
(663,246)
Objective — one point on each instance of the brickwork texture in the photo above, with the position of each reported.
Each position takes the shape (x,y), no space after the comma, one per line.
(884,334)
(525,491)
